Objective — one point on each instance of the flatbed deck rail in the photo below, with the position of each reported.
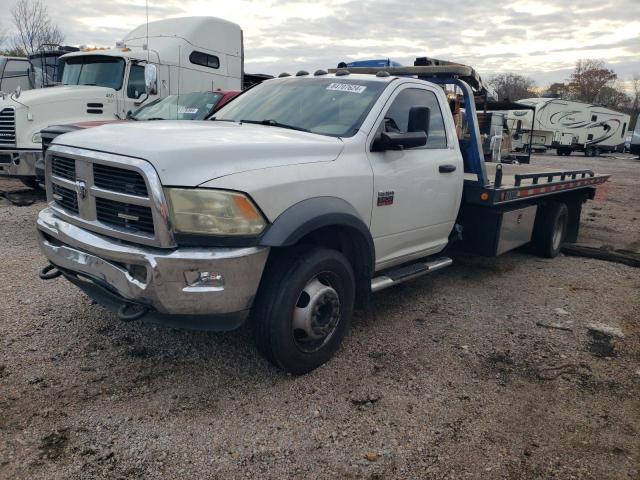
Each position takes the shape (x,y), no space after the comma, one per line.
(535,177)
(493,195)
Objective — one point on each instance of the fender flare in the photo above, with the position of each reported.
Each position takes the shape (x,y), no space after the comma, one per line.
(312,214)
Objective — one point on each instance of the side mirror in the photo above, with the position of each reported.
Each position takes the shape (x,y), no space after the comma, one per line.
(399,141)
(151,79)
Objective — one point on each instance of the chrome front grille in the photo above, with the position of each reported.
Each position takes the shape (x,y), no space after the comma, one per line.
(119,180)
(109,194)
(66,198)
(124,215)
(7,127)
(63,168)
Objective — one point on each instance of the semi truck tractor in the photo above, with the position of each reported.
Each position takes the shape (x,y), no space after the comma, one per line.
(295,203)
(178,55)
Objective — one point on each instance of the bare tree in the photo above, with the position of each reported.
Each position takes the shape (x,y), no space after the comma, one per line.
(614,97)
(34,26)
(512,86)
(588,79)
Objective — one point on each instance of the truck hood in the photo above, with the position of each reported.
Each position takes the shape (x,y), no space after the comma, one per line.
(62,93)
(189,153)
(42,107)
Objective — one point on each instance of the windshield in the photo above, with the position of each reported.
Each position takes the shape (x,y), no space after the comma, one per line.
(93,70)
(190,106)
(328,106)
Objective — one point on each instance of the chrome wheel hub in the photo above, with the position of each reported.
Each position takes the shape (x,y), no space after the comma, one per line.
(316,314)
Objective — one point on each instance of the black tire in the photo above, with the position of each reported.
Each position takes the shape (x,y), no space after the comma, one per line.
(550,229)
(567,152)
(596,152)
(284,288)
(588,152)
(559,152)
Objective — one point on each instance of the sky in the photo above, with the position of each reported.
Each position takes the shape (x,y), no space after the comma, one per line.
(539,38)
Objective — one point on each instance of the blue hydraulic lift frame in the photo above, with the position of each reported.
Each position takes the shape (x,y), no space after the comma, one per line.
(475,158)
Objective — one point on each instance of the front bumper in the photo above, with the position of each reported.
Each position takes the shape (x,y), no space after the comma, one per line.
(19,163)
(156,278)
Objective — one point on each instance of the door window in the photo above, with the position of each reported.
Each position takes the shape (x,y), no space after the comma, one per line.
(15,68)
(397,117)
(136,86)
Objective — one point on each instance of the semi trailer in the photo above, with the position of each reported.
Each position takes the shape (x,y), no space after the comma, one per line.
(295,203)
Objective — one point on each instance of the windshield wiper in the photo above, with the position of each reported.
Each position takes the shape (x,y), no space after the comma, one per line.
(214,119)
(156,118)
(274,123)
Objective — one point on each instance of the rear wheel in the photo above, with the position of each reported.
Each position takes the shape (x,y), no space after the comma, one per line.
(550,229)
(304,307)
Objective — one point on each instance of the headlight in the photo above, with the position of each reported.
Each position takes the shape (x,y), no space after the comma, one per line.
(37,138)
(214,212)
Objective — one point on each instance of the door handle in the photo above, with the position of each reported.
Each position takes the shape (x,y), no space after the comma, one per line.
(447,168)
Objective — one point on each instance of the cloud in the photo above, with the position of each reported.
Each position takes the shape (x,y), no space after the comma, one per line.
(540,38)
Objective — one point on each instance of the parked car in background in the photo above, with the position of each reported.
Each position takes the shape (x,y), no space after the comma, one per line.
(190,106)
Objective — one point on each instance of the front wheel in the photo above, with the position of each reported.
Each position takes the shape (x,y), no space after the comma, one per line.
(304,307)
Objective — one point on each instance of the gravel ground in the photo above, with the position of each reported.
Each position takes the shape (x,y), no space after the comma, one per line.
(488,369)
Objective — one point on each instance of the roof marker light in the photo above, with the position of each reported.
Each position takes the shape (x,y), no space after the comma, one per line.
(302,73)
(284,74)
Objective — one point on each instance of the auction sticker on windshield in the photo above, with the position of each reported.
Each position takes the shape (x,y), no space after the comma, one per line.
(346,87)
(187,110)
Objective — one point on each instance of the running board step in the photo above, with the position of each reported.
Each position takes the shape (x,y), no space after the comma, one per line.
(408,272)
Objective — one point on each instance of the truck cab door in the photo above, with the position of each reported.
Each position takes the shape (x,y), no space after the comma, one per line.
(417,191)
(134,91)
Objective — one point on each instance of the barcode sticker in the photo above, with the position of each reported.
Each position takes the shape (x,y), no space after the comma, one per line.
(187,110)
(347,87)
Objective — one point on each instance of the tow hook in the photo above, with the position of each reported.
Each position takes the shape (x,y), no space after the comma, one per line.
(128,312)
(49,272)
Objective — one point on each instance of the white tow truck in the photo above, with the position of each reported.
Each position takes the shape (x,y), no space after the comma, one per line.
(179,55)
(300,199)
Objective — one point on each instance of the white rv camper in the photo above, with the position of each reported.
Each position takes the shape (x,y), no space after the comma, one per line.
(184,55)
(567,126)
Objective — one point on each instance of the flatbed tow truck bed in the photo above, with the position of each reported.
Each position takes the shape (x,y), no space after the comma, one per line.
(512,183)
